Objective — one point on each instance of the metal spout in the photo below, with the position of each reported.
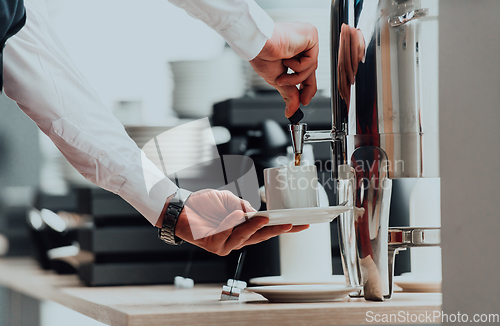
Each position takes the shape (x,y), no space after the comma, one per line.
(297,133)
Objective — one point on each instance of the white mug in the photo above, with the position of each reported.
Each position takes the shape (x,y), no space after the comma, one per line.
(304,256)
(291,187)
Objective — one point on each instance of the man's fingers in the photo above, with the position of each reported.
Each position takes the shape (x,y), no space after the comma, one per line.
(347,56)
(354,51)
(265,234)
(303,66)
(339,82)
(298,228)
(300,64)
(304,60)
(343,83)
(295,78)
(291,97)
(341,67)
(309,88)
(216,239)
(361,48)
(231,202)
(243,232)
(246,206)
(269,232)
(232,220)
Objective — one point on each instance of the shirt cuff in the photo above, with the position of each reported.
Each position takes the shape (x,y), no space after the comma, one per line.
(149,202)
(248,35)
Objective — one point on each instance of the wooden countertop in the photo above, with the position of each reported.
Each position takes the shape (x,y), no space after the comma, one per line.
(166,305)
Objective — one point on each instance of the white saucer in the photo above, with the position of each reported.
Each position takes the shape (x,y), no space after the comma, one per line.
(301,216)
(303,292)
(411,284)
(280,280)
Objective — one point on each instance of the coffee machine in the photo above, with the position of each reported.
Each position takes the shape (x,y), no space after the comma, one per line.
(383,132)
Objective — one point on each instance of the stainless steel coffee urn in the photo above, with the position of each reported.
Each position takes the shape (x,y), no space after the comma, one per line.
(383,132)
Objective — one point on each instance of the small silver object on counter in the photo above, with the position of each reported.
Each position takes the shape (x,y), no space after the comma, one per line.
(232,290)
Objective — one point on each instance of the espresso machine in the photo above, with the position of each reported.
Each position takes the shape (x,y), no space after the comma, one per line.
(383,133)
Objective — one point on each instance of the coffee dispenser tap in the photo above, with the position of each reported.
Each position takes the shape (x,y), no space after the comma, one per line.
(297,134)
(300,136)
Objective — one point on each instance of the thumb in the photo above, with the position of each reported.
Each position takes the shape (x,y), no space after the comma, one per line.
(232,220)
(246,206)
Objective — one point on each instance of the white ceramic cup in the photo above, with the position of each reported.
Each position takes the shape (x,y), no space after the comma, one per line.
(291,187)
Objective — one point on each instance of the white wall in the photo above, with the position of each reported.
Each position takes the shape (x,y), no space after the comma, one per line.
(122,46)
(469,83)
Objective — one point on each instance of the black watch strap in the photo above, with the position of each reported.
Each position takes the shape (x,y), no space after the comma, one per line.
(174,209)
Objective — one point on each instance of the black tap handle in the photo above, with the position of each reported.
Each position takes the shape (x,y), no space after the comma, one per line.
(296,117)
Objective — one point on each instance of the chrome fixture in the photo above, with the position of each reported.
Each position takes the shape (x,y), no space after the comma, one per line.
(379,135)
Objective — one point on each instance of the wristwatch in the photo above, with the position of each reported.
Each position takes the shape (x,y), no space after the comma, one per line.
(174,209)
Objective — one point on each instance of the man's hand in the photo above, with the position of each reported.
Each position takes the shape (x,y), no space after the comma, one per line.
(351,52)
(214,220)
(294,46)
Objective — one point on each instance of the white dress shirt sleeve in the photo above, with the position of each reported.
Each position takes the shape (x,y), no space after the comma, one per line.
(47,86)
(242,23)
